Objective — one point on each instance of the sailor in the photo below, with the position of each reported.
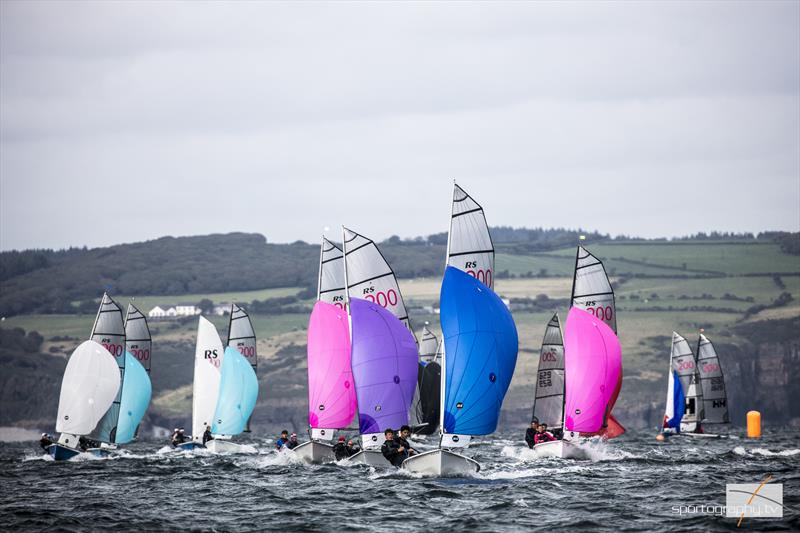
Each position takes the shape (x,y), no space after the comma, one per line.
(181,437)
(292,443)
(402,440)
(45,442)
(340,450)
(83,443)
(207,436)
(352,448)
(392,451)
(530,433)
(543,435)
(283,440)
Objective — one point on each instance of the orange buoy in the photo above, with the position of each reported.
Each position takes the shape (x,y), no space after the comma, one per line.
(753,425)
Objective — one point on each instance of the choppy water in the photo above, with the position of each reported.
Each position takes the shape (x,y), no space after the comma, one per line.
(633,483)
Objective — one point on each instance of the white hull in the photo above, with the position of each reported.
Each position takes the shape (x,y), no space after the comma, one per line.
(441,462)
(701,435)
(314,452)
(368,457)
(226,446)
(563,449)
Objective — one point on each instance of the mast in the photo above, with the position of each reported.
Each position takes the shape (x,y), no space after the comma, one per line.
(442,390)
(319,279)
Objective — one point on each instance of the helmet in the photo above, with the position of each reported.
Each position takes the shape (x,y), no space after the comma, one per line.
(341,439)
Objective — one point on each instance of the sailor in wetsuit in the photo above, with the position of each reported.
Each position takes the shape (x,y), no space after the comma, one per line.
(45,442)
(543,435)
(392,451)
(530,433)
(179,437)
(402,440)
(292,442)
(340,450)
(283,440)
(207,436)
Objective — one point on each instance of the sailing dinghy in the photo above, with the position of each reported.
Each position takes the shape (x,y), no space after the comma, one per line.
(242,337)
(480,343)
(712,385)
(88,389)
(331,395)
(139,344)
(684,407)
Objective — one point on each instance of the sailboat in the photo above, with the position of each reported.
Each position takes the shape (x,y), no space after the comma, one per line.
(684,407)
(592,292)
(425,407)
(331,395)
(242,337)
(384,354)
(225,391)
(480,343)
(139,343)
(89,387)
(712,384)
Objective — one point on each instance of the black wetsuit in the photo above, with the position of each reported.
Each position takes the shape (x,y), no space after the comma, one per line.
(207,436)
(340,451)
(45,443)
(291,444)
(404,443)
(530,437)
(391,451)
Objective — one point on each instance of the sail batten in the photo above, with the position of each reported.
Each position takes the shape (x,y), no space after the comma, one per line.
(109,332)
(469,245)
(712,382)
(591,288)
(138,341)
(548,406)
(330,287)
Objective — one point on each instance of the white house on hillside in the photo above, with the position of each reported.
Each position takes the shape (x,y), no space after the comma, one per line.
(156,312)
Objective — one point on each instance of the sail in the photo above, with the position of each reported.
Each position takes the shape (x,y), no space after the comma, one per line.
(548,404)
(109,332)
(591,289)
(369,276)
(428,345)
(427,397)
(137,336)
(88,388)
(238,392)
(481,343)
(208,357)
(384,361)
(676,402)
(331,274)
(683,365)
(715,401)
(469,245)
(593,365)
(331,395)
(136,393)
(242,336)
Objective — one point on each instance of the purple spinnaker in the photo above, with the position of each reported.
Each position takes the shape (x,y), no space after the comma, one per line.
(385,362)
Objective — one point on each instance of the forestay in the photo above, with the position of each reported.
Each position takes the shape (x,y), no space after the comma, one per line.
(683,365)
(548,404)
(591,289)
(238,392)
(330,288)
(208,358)
(469,245)
(715,401)
(138,341)
(88,388)
(109,332)
(136,394)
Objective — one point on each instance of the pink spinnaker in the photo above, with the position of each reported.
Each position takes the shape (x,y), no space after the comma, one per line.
(593,366)
(331,395)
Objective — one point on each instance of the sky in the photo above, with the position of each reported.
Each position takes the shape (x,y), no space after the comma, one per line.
(128,121)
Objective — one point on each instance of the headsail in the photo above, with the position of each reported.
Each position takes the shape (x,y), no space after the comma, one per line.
(683,365)
(384,362)
(88,388)
(238,392)
(136,393)
(369,275)
(591,289)
(208,357)
(137,336)
(330,288)
(469,245)
(715,401)
(481,344)
(242,337)
(109,332)
(548,405)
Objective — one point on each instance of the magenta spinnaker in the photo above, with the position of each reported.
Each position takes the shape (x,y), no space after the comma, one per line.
(331,394)
(593,365)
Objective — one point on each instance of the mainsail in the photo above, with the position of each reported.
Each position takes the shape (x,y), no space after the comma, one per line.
(330,288)
(384,361)
(109,332)
(368,275)
(469,245)
(428,345)
(548,405)
(684,367)
(715,401)
(238,392)
(137,336)
(242,337)
(88,388)
(208,357)
(591,289)
(425,410)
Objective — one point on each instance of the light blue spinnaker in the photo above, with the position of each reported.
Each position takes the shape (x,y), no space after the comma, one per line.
(238,391)
(136,393)
(481,343)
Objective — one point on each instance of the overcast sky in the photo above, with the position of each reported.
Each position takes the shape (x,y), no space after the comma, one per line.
(129,121)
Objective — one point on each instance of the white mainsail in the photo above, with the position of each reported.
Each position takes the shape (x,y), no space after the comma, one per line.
(715,400)
(548,405)
(469,245)
(428,345)
(683,363)
(242,337)
(137,337)
(109,332)
(591,289)
(208,357)
(330,288)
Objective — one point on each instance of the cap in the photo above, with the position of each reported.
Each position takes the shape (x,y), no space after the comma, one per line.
(341,439)
(294,434)
(45,434)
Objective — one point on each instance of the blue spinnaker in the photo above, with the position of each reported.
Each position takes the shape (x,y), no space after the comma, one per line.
(135,397)
(238,392)
(481,343)
(678,403)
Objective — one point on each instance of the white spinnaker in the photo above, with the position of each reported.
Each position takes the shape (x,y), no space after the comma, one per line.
(330,288)
(683,362)
(470,246)
(370,277)
(591,289)
(90,385)
(109,332)
(548,404)
(715,400)
(428,345)
(207,362)
(137,337)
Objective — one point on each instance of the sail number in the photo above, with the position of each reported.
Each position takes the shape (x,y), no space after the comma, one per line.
(710,367)
(484,276)
(685,365)
(545,379)
(383,299)
(549,356)
(247,351)
(141,355)
(114,349)
(603,313)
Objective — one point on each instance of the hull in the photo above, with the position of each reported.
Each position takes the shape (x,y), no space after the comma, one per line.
(62,453)
(226,446)
(314,452)
(701,435)
(441,462)
(189,446)
(368,457)
(563,449)
(100,452)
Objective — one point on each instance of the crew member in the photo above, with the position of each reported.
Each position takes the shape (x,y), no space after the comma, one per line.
(402,440)
(543,435)
(292,442)
(207,436)
(340,449)
(283,440)
(530,433)
(45,442)
(392,451)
